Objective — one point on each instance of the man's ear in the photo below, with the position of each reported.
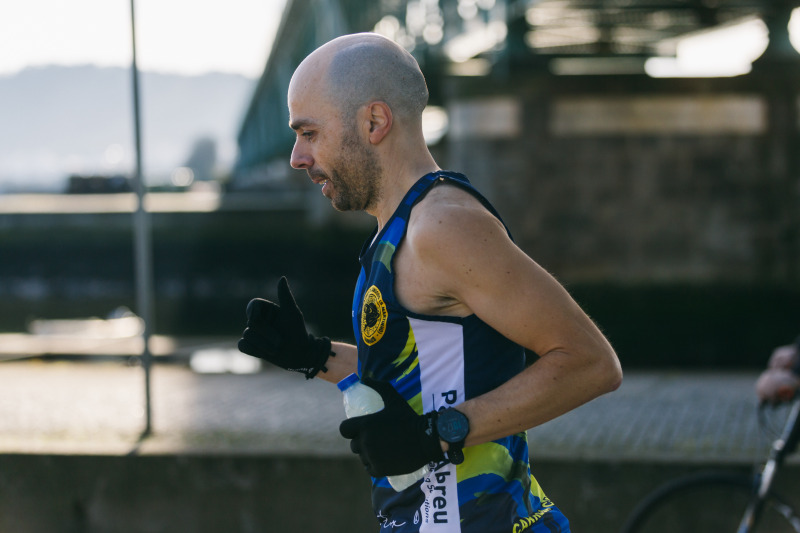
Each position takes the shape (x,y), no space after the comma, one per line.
(380,121)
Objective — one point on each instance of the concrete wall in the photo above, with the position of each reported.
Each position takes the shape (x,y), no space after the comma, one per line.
(256,494)
(207,266)
(76,494)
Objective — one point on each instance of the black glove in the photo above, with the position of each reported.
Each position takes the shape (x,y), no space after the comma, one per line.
(277,333)
(395,440)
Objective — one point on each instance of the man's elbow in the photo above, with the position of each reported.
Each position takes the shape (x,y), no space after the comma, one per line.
(611,373)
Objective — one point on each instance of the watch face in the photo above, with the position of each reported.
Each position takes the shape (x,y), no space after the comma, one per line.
(453,426)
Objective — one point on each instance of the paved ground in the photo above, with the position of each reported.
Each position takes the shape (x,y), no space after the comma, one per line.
(97,407)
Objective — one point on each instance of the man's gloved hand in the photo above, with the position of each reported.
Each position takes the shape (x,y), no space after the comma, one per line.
(277,333)
(395,440)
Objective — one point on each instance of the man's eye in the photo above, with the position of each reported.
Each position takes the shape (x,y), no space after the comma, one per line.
(307,134)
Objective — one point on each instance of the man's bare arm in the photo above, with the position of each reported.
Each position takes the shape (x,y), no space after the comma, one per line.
(472,261)
(344,363)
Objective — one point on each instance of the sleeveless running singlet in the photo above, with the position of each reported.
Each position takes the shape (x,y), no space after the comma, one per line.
(437,362)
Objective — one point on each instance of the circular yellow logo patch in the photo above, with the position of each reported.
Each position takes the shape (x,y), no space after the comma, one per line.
(373,316)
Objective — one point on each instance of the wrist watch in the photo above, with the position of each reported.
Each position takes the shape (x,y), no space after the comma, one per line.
(453,427)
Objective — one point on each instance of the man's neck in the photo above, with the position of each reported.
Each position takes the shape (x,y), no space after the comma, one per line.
(395,187)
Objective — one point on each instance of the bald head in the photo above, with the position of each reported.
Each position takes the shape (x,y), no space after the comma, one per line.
(365,67)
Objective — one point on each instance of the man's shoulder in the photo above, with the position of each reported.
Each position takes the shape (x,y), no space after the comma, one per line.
(449,207)
(445,193)
(449,214)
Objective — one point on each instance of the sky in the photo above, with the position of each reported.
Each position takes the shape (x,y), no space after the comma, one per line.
(179,36)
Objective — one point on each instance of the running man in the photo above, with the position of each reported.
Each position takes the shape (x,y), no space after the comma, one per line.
(444,307)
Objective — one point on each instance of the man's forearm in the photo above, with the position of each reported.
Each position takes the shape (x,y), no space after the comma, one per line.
(549,388)
(344,363)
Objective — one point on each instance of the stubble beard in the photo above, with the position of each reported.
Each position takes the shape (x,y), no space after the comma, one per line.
(355,175)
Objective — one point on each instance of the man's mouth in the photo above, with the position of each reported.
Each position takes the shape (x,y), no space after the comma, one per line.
(319,180)
(324,182)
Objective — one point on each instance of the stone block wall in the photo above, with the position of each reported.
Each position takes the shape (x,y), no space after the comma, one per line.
(635,180)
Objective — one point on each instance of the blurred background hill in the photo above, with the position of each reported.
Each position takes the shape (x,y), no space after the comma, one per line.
(62,120)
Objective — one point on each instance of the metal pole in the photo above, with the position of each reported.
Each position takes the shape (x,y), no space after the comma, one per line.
(142,244)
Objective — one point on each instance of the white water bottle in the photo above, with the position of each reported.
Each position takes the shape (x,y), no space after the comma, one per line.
(360,400)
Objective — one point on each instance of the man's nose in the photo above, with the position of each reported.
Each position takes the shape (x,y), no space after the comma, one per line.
(300,158)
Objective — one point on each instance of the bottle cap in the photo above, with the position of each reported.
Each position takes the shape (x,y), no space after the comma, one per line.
(347,382)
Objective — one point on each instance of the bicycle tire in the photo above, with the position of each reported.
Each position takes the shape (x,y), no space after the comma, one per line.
(708,502)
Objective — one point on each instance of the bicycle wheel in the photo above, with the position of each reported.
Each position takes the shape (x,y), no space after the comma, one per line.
(708,502)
